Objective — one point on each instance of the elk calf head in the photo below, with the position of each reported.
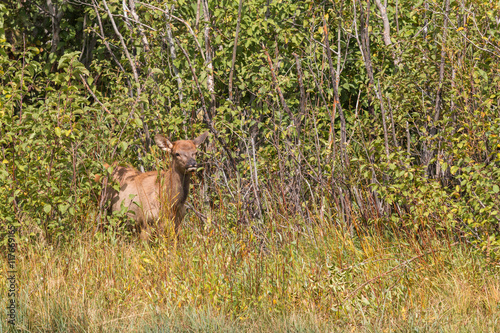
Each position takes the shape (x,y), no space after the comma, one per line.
(183,152)
(157,197)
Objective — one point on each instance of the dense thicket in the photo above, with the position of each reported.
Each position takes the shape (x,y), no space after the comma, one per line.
(360,113)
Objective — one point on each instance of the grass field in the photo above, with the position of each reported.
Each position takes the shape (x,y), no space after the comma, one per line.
(277,277)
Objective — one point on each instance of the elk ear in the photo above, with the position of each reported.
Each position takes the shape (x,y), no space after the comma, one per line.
(199,140)
(163,143)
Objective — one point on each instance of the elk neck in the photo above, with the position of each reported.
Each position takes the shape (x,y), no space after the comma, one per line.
(179,184)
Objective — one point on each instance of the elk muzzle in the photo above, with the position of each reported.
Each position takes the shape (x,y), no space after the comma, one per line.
(191,166)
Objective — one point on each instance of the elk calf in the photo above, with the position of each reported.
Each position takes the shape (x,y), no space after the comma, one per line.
(157,196)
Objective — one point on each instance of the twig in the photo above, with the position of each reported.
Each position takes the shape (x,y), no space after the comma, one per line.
(95,97)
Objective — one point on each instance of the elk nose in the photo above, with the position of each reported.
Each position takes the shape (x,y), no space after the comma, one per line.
(191,166)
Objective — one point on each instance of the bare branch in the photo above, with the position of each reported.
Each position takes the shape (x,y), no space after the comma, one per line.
(124,46)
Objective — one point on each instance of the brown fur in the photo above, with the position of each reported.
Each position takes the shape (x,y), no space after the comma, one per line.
(158,196)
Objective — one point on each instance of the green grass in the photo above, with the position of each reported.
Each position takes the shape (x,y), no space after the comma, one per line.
(281,277)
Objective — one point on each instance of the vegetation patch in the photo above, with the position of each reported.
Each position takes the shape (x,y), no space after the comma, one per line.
(349,181)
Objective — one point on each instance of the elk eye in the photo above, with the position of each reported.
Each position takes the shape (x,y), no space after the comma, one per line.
(177,154)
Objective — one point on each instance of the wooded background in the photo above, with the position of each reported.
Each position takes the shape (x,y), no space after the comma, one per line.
(359,114)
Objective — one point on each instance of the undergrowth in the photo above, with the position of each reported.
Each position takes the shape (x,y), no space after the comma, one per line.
(283,276)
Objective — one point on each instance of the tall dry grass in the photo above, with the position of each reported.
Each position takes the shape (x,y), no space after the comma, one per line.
(283,276)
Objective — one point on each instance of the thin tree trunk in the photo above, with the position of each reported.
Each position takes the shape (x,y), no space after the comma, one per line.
(173,55)
(268,12)
(56,16)
(363,39)
(408,140)
(426,20)
(256,181)
(197,22)
(393,127)
(134,71)
(139,28)
(108,47)
(206,118)
(234,51)
(208,52)
(332,116)
(298,119)
(384,124)
(387,26)
(437,109)
(429,153)
(397,19)
(335,81)
(124,47)
(364,46)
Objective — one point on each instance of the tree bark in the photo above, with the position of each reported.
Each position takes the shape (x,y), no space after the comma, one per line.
(56,16)
(387,26)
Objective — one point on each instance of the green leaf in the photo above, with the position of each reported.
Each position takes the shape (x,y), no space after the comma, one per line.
(63,208)
(123,145)
(156,71)
(47,208)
